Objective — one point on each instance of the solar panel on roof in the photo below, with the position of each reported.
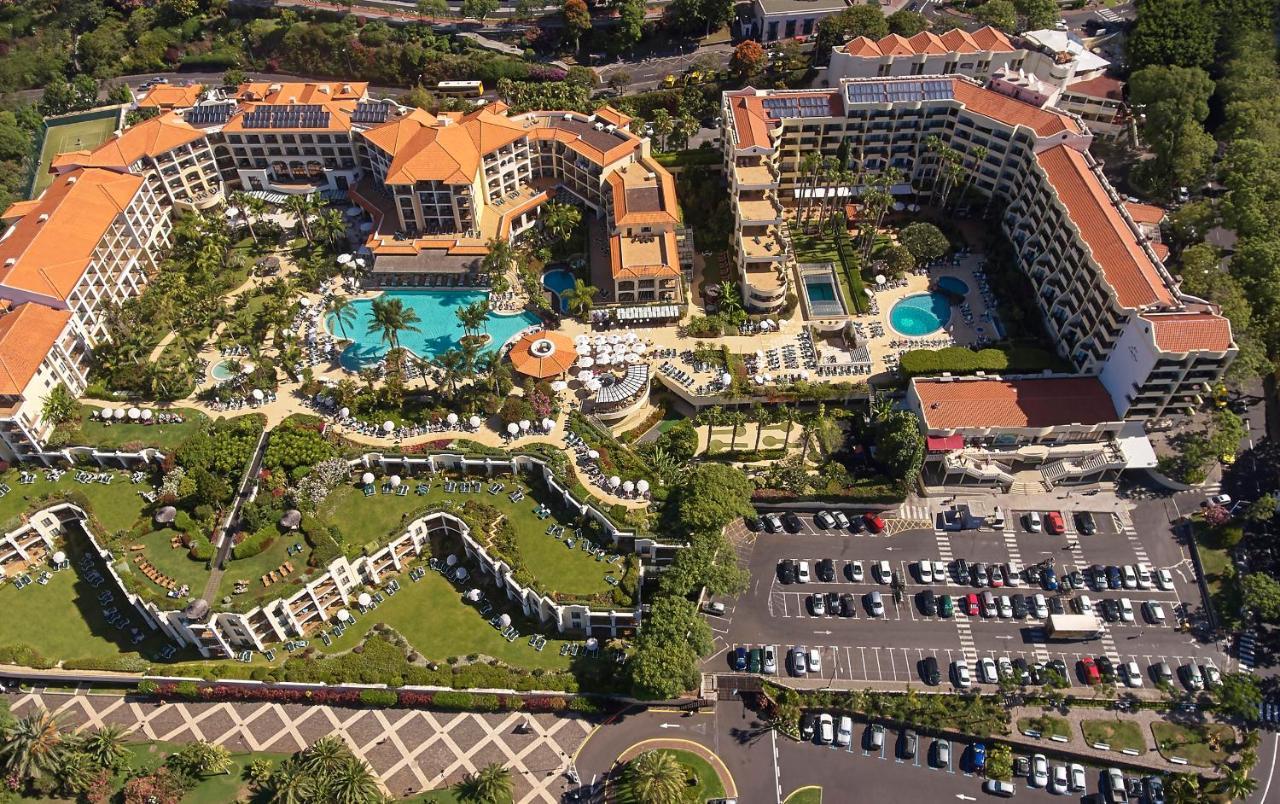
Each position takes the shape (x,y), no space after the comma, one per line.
(298,116)
(208,113)
(370,113)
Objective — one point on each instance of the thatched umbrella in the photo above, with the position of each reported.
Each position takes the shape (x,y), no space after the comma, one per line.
(291,519)
(166,515)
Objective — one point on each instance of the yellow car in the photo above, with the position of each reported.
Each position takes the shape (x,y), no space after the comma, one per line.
(669,81)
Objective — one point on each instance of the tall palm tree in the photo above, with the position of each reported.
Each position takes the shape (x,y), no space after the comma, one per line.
(240,200)
(1237,783)
(580,298)
(788,414)
(489,785)
(292,784)
(353,783)
(330,226)
(341,312)
(473,317)
(498,261)
(106,746)
(452,366)
(712,416)
(559,220)
(32,746)
(762,415)
(325,756)
(301,206)
(1183,788)
(655,777)
(390,317)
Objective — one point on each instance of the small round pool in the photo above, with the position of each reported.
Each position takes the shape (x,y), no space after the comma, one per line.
(921,314)
(223,371)
(558,280)
(953,285)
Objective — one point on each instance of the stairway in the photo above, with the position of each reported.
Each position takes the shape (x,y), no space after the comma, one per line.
(1028,482)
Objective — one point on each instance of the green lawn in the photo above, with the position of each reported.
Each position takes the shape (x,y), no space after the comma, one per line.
(1119,734)
(217,789)
(1047,725)
(1174,740)
(704,783)
(1219,573)
(63,137)
(161,436)
(252,569)
(171,561)
(63,620)
(118,505)
(805,795)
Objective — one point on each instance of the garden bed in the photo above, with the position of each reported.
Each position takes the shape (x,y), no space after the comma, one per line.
(1121,735)
(1047,725)
(1193,744)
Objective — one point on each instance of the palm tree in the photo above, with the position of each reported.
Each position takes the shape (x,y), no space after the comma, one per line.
(580,298)
(498,261)
(390,317)
(560,220)
(292,784)
(655,777)
(301,206)
(712,416)
(240,200)
(341,312)
(473,317)
(1183,788)
(788,414)
(452,365)
(33,746)
(106,746)
(325,756)
(763,417)
(737,418)
(489,785)
(259,772)
(809,165)
(330,226)
(1237,783)
(353,783)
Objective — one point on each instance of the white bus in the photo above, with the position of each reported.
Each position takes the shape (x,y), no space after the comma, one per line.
(460,89)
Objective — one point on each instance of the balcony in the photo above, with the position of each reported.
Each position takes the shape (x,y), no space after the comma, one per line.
(760,211)
(753,177)
(766,246)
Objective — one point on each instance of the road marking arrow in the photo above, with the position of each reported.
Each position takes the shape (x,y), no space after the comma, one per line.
(963,797)
(668,725)
(827,633)
(1004,636)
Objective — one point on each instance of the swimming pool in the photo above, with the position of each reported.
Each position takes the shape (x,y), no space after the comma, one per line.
(921,314)
(953,284)
(440,330)
(558,280)
(820,290)
(222,371)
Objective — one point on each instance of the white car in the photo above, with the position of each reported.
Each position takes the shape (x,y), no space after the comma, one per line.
(1126,610)
(1058,780)
(844,734)
(939,572)
(1129,574)
(884,573)
(771,660)
(1115,784)
(815,661)
(987,670)
(1034,524)
(1154,612)
(826,728)
(825,520)
(1164,580)
(1220,499)
(802,572)
(876,603)
(1040,606)
(1144,576)
(960,670)
(925,570)
(855,571)
(1077,778)
(1005,667)
(1132,675)
(1212,675)
(1005,606)
(1084,604)
(841,519)
(1039,776)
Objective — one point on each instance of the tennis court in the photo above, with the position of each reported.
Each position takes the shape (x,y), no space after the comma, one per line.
(72,133)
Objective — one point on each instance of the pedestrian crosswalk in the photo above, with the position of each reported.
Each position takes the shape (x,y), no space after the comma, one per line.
(1107,15)
(1244,650)
(965,633)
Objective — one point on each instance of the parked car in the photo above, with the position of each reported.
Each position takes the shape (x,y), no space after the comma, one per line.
(941,753)
(929,671)
(808,725)
(1126,610)
(771,660)
(1058,782)
(856,573)
(910,743)
(740,659)
(787,571)
(1033,521)
(826,570)
(1116,792)
(1089,670)
(755,661)
(825,520)
(773,523)
(997,576)
(1154,789)
(755,524)
(799,662)
(792,522)
(924,571)
(1144,576)
(946,606)
(1154,612)
(1132,676)
(818,604)
(1085,523)
(826,729)
(841,520)
(1049,579)
(980,574)
(847,607)
(971,604)
(873,522)
(1040,606)
(960,673)
(1105,667)
(1162,672)
(875,737)
(1053,524)
(978,756)
(1004,606)
(875,603)
(1077,781)
(884,573)
(1039,771)
(928,602)
(802,572)
(1192,677)
(1129,576)
(995,787)
(1114,581)
(1164,580)
(815,661)
(1212,675)
(844,734)
(987,670)
(1020,609)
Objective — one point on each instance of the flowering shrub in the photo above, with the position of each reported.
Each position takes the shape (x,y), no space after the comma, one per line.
(172,482)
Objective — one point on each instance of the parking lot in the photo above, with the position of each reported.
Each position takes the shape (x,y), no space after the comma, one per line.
(889,649)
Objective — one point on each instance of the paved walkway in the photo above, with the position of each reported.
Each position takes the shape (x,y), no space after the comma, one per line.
(409,750)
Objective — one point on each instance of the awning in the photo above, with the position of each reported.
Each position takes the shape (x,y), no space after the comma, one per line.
(949,443)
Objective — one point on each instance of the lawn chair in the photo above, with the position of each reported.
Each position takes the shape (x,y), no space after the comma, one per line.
(402,491)
(325,639)
(369,490)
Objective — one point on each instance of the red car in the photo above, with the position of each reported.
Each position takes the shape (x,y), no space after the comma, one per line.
(873,522)
(1053,524)
(971,604)
(1092,675)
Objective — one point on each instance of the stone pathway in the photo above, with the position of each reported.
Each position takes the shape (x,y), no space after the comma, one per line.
(410,750)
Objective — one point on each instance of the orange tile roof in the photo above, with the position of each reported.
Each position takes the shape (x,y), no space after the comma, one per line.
(1100,87)
(543,354)
(752,121)
(149,138)
(26,336)
(1149,214)
(1161,250)
(1190,332)
(953,41)
(448,148)
(171,96)
(645,270)
(1127,268)
(658,206)
(1040,402)
(611,115)
(48,257)
(1011,111)
(277,92)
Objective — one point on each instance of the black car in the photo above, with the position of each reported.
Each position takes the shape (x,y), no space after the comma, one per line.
(1033,574)
(1019,606)
(1035,674)
(1155,789)
(1055,606)
(787,571)
(1075,579)
(1085,523)
(1110,609)
(848,606)
(1113,577)
(928,602)
(910,742)
(791,522)
(929,671)
(754,524)
(833,603)
(979,572)
(1021,669)
(1106,668)
(1098,576)
(1060,667)
(962,570)
(826,570)
(808,721)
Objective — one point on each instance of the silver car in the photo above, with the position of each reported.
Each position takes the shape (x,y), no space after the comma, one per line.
(942,753)
(1039,776)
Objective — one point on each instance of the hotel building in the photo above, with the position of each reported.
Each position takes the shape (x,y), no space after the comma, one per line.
(1104,294)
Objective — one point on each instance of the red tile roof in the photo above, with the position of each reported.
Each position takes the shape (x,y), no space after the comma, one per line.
(753,121)
(1145,213)
(26,336)
(1100,87)
(1011,111)
(1190,332)
(1128,269)
(953,41)
(1040,402)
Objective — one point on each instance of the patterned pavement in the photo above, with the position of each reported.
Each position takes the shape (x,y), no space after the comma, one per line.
(410,750)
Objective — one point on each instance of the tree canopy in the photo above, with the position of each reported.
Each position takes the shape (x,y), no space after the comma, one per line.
(1178,33)
(839,28)
(710,496)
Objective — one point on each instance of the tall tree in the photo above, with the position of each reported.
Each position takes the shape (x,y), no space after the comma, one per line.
(580,298)
(1181,33)
(341,312)
(853,22)
(489,785)
(654,777)
(33,746)
(390,317)
(577,20)
(748,59)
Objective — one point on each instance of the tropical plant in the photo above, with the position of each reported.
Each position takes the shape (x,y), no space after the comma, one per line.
(106,746)
(473,317)
(292,784)
(559,220)
(1237,783)
(60,405)
(342,312)
(389,318)
(353,783)
(330,226)
(452,366)
(489,785)
(655,777)
(580,298)
(301,206)
(33,746)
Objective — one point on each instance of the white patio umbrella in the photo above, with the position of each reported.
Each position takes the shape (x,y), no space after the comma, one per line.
(344,413)
(388,425)
(363,599)
(304,301)
(146,415)
(525,424)
(120,413)
(474,421)
(582,338)
(343,259)
(504,621)
(593,385)
(615,339)
(452,419)
(366,478)
(600,340)
(344,616)
(247,367)
(604,358)
(759,379)
(593,454)
(593,643)
(232,212)
(615,481)
(585,362)
(583,349)
(642,486)
(640,347)
(474,595)
(559,386)
(547,424)
(880,279)
(59,557)
(629,337)
(258,395)
(628,487)
(360,260)
(134,413)
(451,560)
(586,376)
(513,428)
(395,481)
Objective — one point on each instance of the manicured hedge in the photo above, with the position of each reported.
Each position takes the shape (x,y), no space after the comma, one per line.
(382,699)
(123,664)
(256,543)
(960,360)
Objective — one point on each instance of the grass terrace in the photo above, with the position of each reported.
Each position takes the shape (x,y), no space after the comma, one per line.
(169,560)
(702,779)
(1203,746)
(1121,735)
(118,506)
(216,788)
(1047,725)
(252,569)
(118,435)
(805,795)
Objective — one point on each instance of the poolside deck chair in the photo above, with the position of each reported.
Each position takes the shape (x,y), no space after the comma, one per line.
(368,490)
(402,491)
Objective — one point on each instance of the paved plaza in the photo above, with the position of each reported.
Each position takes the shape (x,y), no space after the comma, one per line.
(410,750)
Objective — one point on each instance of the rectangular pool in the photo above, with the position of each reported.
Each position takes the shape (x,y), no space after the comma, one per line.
(823,297)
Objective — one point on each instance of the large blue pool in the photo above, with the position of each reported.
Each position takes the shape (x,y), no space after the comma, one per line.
(954,285)
(558,280)
(440,330)
(921,314)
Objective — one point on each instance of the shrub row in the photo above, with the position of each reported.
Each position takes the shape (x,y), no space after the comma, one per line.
(960,360)
(256,543)
(122,664)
